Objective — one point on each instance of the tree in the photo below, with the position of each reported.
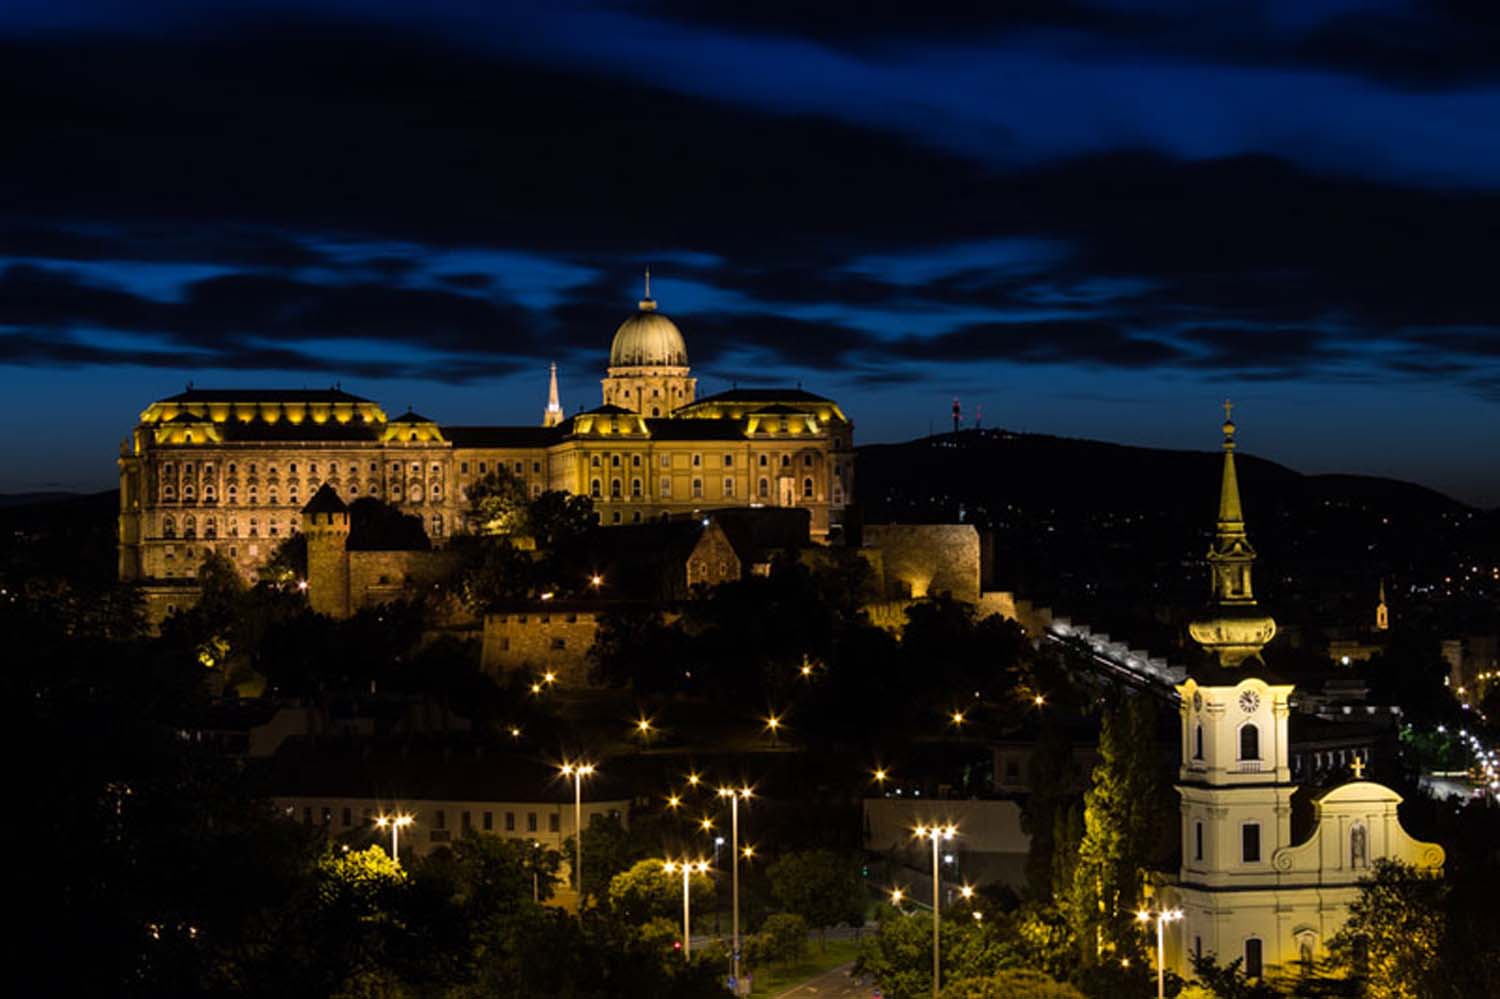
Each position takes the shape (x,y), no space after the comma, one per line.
(645,891)
(498,505)
(1127,818)
(560,518)
(1394,936)
(783,937)
(1015,983)
(821,886)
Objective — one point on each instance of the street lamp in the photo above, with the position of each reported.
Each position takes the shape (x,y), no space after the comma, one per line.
(578,771)
(881,775)
(396,824)
(1162,917)
(734,795)
(773,725)
(936,834)
(688,869)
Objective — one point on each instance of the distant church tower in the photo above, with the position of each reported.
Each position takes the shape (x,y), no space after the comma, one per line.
(1382,613)
(1237,628)
(553,414)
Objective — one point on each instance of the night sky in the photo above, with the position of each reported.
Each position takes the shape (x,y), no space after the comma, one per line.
(1089,218)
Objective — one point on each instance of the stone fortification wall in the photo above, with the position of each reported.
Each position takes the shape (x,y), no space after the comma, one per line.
(556,640)
(378,577)
(927,560)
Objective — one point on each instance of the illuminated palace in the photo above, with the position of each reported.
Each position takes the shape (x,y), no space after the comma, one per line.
(229,470)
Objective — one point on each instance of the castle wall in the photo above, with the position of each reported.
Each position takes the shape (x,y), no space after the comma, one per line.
(556,641)
(922,560)
(378,577)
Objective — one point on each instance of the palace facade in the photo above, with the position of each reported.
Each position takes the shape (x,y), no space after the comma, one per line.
(229,470)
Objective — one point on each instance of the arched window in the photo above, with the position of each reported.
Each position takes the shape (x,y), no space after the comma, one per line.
(635,488)
(1359,846)
(168,527)
(593,461)
(210,528)
(594,488)
(635,461)
(190,527)
(1198,741)
(764,488)
(655,410)
(1249,741)
(807,488)
(614,461)
(615,489)
(1305,952)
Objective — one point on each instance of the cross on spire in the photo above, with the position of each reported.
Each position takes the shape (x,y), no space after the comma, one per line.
(1358,768)
(648,282)
(1228,410)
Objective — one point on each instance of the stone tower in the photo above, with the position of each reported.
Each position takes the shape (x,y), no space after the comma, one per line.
(1236,628)
(325,523)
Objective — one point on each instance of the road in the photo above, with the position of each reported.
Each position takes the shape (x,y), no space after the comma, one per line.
(834,984)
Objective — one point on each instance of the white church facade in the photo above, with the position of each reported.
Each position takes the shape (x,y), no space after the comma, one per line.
(1247,891)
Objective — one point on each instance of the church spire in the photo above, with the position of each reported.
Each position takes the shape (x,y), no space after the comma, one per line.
(1238,630)
(1382,612)
(553,414)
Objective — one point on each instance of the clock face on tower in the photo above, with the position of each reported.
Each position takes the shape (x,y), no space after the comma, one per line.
(1249,701)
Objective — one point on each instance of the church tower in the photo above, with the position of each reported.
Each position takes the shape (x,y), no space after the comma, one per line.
(1236,630)
(553,414)
(1382,612)
(648,363)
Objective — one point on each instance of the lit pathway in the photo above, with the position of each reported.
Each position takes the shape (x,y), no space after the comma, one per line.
(834,984)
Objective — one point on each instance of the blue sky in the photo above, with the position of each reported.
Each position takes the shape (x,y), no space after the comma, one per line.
(1090,219)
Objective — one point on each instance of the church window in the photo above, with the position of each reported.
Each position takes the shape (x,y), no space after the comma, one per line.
(1197,840)
(1250,843)
(697,460)
(807,488)
(1359,847)
(594,489)
(1250,741)
(666,486)
(615,487)
(635,488)
(728,487)
(1254,967)
(697,489)
(1305,952)
(1198,741)
(765,486)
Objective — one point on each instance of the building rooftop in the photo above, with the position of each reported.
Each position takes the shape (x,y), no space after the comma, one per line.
(502,436)
(265,395)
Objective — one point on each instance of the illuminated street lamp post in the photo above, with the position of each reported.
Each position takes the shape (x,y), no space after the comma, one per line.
(1162,918)
(688,869)
(396,824)
(578,771)
(734,795)
(936,834)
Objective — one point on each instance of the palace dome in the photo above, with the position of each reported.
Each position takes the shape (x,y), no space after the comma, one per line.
(648,339)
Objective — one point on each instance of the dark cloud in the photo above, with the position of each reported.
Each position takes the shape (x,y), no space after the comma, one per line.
(1084,342)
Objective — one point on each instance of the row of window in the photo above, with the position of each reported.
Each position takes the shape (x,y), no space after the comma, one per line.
(168,469)
(1250,853)
(615,461)
(518,467)
(437,820)
(211,527)
(1249,742)
(617,486)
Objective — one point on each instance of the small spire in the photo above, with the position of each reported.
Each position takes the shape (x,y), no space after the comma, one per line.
(553,414)
(648,304)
